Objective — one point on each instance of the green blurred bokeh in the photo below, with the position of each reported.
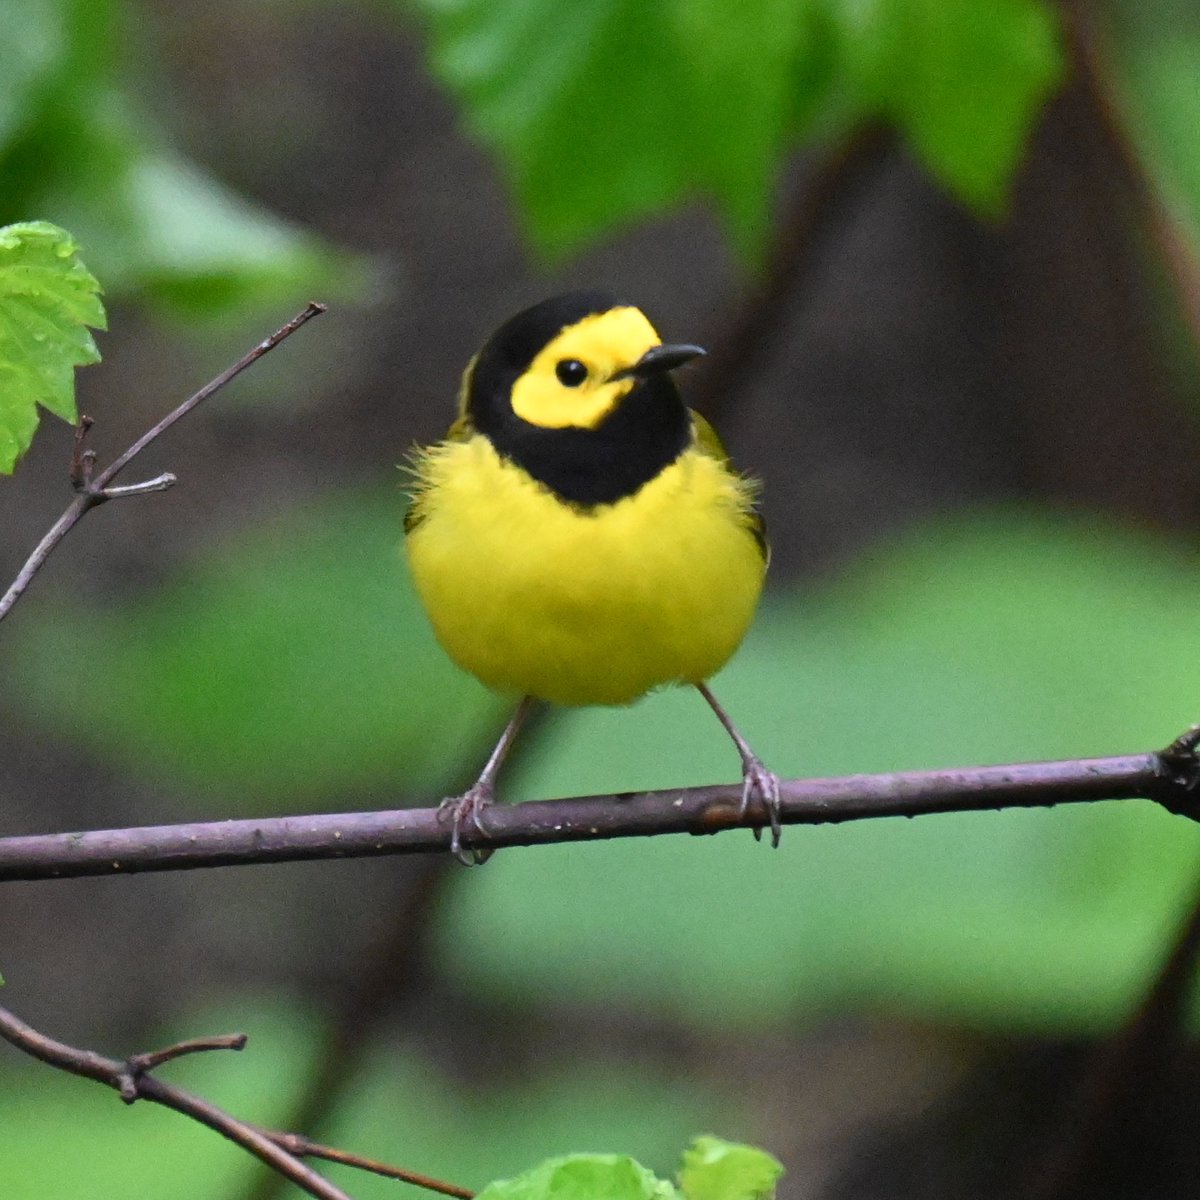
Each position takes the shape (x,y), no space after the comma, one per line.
(287,664)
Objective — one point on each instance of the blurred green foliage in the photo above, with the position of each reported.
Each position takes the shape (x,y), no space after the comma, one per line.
(607,112)
(47,301)
(292,665)
(79,147)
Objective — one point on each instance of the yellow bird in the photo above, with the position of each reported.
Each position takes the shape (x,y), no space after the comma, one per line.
(580,536)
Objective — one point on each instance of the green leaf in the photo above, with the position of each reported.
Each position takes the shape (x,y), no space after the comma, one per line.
(608,112)
(582,1177)
(755,82)
(714,1169)
(586,104)
(605,113)
(48,299)
(964,81)
(289,665)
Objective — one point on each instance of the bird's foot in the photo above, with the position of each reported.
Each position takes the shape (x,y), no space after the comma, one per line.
(463,811)
(759,783)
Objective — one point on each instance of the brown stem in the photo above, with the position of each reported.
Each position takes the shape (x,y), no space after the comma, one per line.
(93,489)
(282,1152)
(1169,779)
(118,1076)
(302,1147)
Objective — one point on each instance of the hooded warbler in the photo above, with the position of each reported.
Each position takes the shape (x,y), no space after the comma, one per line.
(580,536)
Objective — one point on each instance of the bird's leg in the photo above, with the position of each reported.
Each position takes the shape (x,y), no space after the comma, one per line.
(482,792)
(756,779)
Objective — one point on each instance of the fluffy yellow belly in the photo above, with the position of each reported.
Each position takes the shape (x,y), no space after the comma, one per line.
(579,607)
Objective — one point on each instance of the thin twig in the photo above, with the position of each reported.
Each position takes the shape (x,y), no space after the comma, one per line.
(302,1147)
(1171,780)
(93,489)
(118,1076)
(281,1152)
(139,1064)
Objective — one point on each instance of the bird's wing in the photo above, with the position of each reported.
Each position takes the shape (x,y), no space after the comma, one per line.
(708,442)
(461,428)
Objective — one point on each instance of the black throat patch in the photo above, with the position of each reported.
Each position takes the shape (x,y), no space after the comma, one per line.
(647,431)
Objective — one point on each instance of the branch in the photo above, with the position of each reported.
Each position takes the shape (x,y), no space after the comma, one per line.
(281,1152)
(1170,777)
(92,489)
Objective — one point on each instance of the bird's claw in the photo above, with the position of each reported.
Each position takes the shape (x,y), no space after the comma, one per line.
(758,782)
(464,809)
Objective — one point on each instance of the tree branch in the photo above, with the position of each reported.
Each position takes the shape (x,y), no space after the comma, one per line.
(133,1084)
(132,1080)
(1169,777)
(92,489)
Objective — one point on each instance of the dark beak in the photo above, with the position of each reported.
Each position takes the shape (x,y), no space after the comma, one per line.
(658,359)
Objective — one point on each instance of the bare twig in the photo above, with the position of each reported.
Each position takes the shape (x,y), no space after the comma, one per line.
(302,1147)
(281,1152)
(1168,778)
(93,489)
(135,1085)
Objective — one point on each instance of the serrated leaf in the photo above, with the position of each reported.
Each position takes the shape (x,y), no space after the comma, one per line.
(964,81)
(582,1177)
(714,1169)
(48,299)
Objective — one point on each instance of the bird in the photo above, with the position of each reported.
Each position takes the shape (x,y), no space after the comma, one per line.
(580,536)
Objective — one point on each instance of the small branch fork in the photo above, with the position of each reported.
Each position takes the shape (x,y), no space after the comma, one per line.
(1169,777)
(132,1080)
(93,488)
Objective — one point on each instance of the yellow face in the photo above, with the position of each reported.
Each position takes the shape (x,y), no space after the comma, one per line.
(570,382)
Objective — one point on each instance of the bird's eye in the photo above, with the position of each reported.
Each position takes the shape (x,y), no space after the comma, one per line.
(571,372)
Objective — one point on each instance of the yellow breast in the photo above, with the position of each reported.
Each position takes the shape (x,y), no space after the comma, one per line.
(583,606)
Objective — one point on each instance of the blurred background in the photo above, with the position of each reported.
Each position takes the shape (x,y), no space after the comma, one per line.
(943,256)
